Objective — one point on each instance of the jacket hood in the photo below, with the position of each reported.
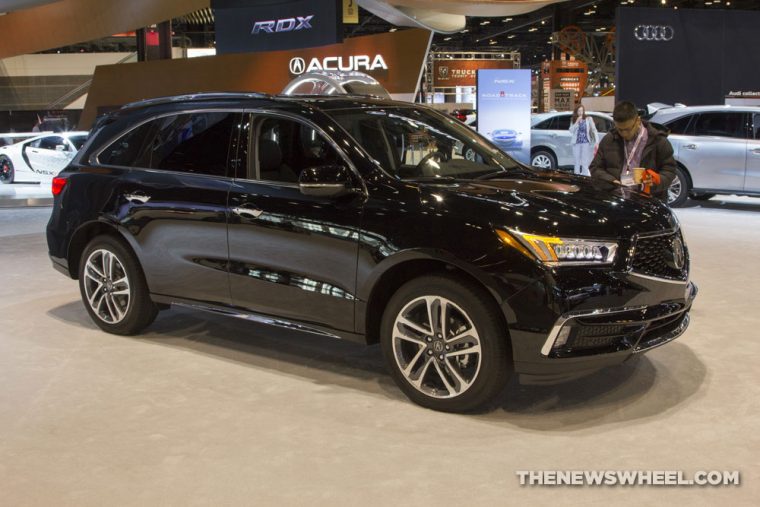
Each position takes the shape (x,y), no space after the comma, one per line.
(555,203)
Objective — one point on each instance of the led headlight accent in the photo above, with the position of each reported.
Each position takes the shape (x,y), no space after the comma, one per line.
(555,251)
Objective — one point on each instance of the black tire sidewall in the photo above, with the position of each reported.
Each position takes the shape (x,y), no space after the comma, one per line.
(142,311)
(496,364)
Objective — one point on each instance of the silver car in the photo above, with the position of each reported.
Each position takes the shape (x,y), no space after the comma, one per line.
(550,139)
(717,149)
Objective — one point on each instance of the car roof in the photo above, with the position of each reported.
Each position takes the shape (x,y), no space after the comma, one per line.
(673,111)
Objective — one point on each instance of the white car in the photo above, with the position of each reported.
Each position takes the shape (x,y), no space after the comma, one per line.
(550,139)
(40,158)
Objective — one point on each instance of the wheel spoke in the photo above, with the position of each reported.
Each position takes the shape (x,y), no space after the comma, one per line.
(410,366)
(403,336)
(475,349)
(429,302)
(115,305)
(111,309)
(91,267)
(94,294)
(450,388)
(408,323)
(462,383)
(463,337)
(418,381)
(442,309)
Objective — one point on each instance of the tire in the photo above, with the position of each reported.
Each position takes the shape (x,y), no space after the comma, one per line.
(430,367)
(702,197)
(543,159)
(678,192)
(127,309)
(7,173)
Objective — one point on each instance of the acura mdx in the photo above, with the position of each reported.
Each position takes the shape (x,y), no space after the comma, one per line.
(369,220)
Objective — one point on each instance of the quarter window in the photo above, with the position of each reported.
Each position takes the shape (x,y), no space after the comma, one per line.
(196,143)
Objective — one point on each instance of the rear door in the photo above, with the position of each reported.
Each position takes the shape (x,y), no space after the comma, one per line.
(714,150)
(291,255)
(752,176)
(173,202)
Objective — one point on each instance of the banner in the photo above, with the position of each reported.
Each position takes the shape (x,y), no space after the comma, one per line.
(504,100)
(463,72)
(562,100)
(395,59)
(691,56)
(243,26)
(350,12)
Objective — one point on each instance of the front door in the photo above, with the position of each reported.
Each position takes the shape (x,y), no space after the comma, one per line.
(292,255)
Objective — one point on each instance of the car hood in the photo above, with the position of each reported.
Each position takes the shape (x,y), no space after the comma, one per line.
(555,203)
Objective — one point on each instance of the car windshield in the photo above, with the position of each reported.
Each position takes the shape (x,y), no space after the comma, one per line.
(414,143)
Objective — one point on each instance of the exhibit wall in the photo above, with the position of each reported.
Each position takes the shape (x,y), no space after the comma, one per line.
(695,57)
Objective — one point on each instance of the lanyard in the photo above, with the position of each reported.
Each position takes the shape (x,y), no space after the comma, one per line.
(629,156)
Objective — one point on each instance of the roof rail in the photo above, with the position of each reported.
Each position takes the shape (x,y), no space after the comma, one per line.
(196,97)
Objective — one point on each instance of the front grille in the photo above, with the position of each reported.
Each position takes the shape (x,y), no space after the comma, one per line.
(656,256)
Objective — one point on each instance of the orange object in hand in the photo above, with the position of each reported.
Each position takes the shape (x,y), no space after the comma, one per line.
(654,177)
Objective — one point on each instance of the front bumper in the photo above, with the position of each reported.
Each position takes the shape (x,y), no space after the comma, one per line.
(585,340)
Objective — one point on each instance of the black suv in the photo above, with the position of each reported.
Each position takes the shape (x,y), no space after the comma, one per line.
(370,220)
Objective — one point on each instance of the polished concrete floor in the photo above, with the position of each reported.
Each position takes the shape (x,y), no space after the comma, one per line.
(204,410)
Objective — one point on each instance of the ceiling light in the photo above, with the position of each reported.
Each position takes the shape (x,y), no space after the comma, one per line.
(507,20)
(393,29)
(543,21)
(534,29)
(512,36)
(465,30)
(664,2)
(447,38)
(492,42)
(486,22)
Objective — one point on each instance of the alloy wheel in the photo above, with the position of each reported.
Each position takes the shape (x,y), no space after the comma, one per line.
(107,286)
(542,161)
(6,171)
(436,347)
(674,190)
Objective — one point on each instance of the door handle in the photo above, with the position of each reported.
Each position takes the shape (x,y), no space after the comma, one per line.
(137,197)
(690,147)
(244,212)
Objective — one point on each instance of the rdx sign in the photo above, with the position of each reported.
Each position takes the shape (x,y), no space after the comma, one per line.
(282,25)
(655,33)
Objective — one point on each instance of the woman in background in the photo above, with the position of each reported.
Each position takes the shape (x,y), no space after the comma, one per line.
(583,137)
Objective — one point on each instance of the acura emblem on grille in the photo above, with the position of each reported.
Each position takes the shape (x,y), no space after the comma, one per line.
(678,253)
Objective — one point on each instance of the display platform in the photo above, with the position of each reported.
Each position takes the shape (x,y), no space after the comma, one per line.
(16,195)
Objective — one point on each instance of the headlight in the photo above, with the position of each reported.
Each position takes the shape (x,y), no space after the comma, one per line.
(554,251)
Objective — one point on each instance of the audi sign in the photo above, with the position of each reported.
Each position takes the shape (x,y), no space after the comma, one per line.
(654,33)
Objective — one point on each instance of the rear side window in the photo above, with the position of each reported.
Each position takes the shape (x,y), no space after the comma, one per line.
(721,125)
(680,125)
(602,124)
(196,143)
(562,122)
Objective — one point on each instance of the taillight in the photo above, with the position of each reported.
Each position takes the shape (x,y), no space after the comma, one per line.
(58,184)
(461,117)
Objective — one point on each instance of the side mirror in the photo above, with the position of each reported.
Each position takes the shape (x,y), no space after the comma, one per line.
(325,181)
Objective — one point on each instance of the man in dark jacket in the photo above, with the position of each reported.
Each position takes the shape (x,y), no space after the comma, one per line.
(634,143)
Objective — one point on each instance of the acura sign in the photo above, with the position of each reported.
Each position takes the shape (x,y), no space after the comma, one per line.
(363,63)
(654,33)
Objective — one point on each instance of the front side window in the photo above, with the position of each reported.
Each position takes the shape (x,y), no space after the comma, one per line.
(50,142)
(286,147)
(721,125)
(195,143)
(416,143)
